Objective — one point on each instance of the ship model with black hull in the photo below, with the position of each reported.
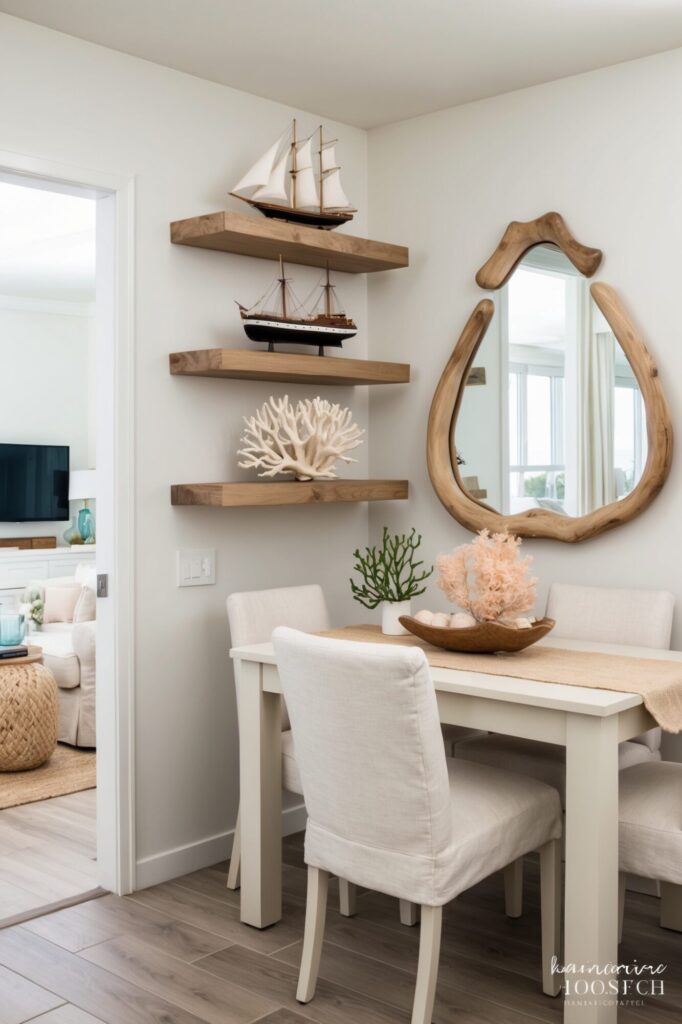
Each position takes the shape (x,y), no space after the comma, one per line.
(315,321)
(285,183)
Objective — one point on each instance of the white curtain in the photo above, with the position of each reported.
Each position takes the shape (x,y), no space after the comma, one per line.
(597,378)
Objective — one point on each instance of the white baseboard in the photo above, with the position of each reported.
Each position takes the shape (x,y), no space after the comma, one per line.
(162,867)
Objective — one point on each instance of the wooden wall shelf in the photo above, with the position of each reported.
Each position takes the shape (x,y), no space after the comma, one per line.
(270,493)
(285,367)
(268,239)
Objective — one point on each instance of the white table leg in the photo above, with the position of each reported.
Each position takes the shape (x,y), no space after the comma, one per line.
(234,874)
(591,917)
(671,906)
(260,761)
(513,888)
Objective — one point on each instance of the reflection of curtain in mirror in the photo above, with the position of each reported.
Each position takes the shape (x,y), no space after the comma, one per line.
(597,483)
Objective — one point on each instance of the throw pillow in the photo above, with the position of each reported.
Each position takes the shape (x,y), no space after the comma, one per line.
(60,603)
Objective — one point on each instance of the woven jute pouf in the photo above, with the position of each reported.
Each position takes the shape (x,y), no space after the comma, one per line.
(29,716)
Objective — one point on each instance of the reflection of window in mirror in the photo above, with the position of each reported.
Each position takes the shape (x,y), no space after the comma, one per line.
(629,428)
(560,423)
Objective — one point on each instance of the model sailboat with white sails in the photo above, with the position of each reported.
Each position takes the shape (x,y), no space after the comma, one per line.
(315,322)
(298,181)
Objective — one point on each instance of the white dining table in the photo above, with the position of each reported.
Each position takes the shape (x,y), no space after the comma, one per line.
(589,723)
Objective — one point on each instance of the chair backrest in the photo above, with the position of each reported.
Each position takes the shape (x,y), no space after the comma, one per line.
(368,745)
(641,618)
(254,614)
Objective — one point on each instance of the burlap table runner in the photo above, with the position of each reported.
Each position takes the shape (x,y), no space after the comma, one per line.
(659,683)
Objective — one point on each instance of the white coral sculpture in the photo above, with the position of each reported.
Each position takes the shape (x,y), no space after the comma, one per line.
(306,440)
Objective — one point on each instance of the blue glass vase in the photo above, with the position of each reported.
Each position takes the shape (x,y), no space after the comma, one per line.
(86,525)
(12,629)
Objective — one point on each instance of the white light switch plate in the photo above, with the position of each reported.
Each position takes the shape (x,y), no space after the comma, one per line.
(196,567)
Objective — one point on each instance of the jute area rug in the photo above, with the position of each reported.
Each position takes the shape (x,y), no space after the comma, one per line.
(69,770)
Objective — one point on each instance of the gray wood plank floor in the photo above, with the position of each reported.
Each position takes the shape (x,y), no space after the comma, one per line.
(177,954)
(47,853)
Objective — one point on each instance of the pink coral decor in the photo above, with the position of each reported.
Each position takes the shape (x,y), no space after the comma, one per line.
(489,579)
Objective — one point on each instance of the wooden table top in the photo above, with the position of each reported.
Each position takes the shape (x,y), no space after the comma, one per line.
(510,689)
(35,654)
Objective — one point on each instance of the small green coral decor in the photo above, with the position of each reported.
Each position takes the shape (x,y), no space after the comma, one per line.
(390,577)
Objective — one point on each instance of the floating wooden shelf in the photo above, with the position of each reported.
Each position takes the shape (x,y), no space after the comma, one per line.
(270,239)
(248,495)
(285,367)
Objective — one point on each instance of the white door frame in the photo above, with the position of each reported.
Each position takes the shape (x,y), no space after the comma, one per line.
(115,511)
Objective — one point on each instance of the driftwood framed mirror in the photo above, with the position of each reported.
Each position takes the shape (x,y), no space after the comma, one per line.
(549,419)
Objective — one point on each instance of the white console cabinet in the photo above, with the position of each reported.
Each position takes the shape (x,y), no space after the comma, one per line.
(18,568)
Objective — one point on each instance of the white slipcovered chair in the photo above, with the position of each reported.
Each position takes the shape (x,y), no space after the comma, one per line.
(252,617)
(640,618)
(70,652)
(650,833)
(388,811)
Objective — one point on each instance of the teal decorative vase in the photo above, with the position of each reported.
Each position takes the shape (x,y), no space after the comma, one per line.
(86,525)
(12,629)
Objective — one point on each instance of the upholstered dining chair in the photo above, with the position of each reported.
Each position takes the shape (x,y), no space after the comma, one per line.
(388,811)
(650,834)
(252,617)
(640,618)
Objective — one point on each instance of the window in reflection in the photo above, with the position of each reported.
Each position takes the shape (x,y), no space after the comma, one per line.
(536,453)
(537,302)
(629,433)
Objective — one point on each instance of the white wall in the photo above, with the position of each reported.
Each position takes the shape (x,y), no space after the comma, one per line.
(601,149)
(186,141)
(44,357)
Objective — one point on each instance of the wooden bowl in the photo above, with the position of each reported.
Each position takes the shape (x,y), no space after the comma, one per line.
(484,638)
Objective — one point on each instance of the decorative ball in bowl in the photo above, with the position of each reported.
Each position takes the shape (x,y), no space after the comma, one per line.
(483,638)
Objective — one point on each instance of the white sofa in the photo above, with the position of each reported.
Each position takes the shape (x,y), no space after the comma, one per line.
(70,653)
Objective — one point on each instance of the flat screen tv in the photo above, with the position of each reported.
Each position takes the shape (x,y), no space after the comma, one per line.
(34,483)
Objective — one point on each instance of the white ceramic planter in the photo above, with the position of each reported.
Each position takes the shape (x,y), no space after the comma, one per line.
(390,614)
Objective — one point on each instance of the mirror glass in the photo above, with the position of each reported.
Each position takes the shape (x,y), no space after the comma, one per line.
(552,416)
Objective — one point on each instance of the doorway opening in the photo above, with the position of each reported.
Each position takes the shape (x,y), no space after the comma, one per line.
(65,554)
(48,499)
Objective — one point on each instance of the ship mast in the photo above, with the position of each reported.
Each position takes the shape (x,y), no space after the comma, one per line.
(322,186)
(327,296)
(293,170)
(283,284)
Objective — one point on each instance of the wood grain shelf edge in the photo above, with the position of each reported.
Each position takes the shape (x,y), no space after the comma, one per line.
(268,239)
(285,367)
(247,494)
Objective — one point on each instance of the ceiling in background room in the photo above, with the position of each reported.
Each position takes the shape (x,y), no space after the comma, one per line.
(47,245)
(370,62)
